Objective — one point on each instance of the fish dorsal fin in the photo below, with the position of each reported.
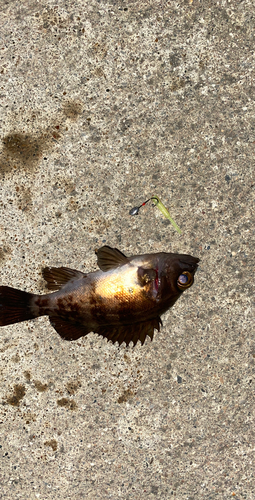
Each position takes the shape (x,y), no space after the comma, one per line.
(57,277)
(110,258)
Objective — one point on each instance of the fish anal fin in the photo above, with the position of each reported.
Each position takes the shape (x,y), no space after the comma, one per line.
(57,277)
(110,258)
(130,333)
(67,329)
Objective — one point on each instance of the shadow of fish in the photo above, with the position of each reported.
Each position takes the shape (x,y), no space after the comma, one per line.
(123,301)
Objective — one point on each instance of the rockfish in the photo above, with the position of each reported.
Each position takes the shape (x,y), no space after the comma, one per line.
(123,301)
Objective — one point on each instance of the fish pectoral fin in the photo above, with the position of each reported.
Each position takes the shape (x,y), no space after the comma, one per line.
(56,277)
(130,333)
(67,329)
(146,275)
(110,258)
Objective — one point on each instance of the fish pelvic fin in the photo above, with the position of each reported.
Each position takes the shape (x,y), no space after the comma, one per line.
(57,277)
(130,333)
(68,330)
(15,306)
(110,258)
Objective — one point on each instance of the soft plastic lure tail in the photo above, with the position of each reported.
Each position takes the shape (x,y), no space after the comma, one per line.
(161,207)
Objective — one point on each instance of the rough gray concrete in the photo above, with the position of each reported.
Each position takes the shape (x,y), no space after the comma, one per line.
(104,104)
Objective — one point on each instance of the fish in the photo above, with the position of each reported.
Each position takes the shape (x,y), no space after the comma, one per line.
(122,301)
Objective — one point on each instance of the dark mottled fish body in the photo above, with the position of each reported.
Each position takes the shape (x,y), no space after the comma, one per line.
(123,301)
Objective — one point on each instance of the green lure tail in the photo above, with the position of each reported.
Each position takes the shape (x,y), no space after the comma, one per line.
(162,208)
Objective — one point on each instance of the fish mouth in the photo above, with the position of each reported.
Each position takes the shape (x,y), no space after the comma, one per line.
(156,284)
(190,264)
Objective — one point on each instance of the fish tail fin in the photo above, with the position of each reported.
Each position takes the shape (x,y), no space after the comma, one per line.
(15,306)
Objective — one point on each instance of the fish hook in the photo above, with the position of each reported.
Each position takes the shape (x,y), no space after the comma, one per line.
(157,203)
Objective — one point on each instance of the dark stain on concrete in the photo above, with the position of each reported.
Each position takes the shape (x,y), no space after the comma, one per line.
(52,443)
(4,252)
(40,386)
(16,358)
(19,392)
(72,109)
(23,150)
(23,147)
(72,386)
(67,403)
(24,198)
(27,376)
(128,394)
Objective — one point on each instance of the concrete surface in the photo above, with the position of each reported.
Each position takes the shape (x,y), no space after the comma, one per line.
(104,104)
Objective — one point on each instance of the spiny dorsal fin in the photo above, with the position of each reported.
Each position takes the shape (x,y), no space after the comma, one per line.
(57,277)
(69,330)
(128,333)
(110,258)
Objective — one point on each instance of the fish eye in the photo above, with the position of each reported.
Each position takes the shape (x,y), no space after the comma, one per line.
(185,280)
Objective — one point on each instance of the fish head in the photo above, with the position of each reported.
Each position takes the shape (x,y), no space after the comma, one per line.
(175,275)
(165,276)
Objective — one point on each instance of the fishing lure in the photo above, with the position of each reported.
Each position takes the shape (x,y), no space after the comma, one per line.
(157,203)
